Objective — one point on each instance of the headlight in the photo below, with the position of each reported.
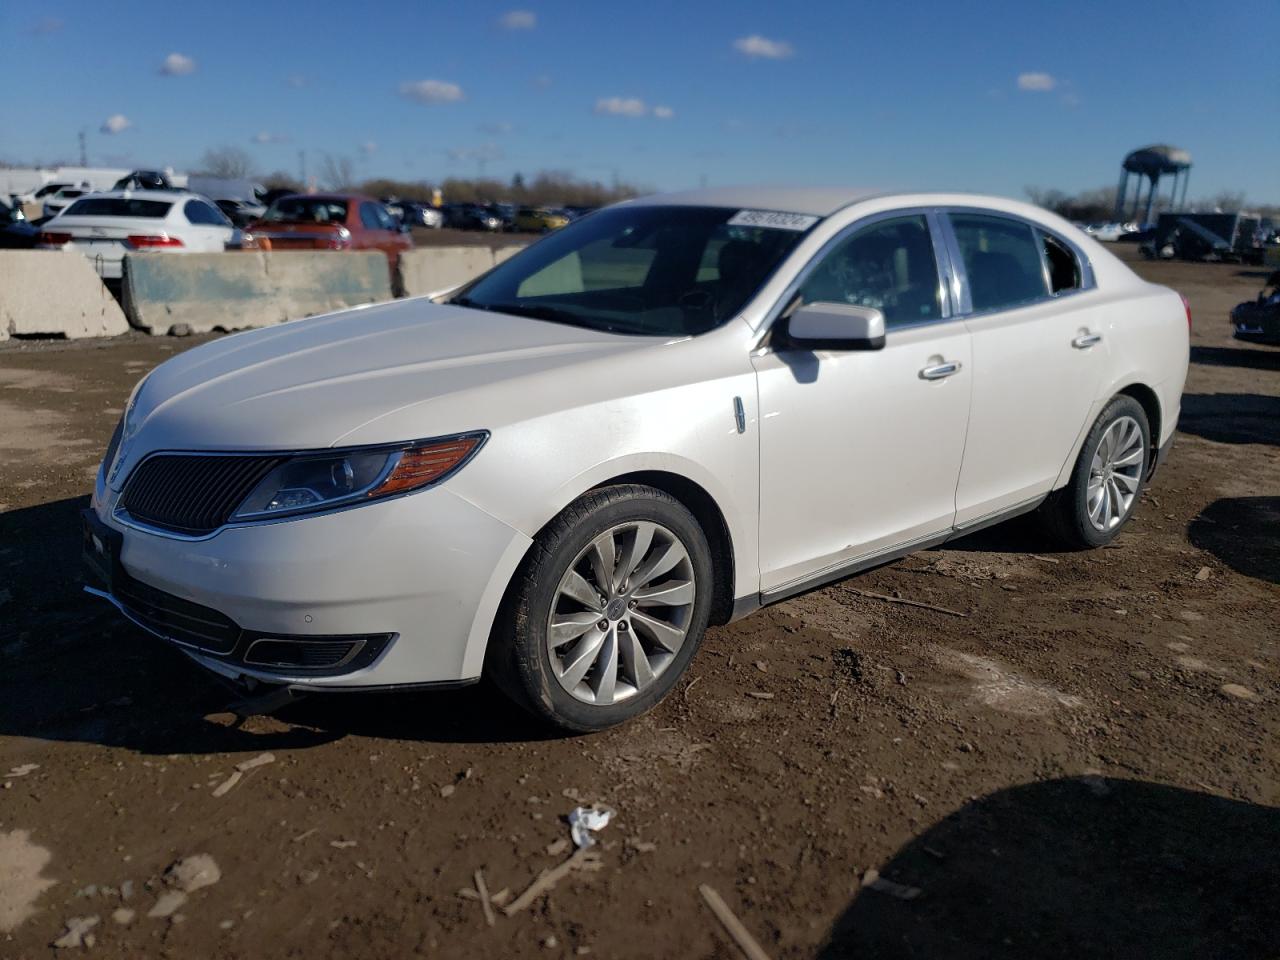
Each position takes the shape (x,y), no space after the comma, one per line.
(128,427)
(326,480)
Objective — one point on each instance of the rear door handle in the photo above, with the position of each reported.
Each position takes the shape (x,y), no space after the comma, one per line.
(1086,340)
(940,371)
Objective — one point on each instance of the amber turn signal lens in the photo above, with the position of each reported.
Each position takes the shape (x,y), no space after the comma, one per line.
(419,466)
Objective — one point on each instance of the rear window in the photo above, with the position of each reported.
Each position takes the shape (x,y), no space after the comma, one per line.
(307,210)
(118,207)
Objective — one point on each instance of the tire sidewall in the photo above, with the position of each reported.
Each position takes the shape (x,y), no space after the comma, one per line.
(533,612)
(1121,406)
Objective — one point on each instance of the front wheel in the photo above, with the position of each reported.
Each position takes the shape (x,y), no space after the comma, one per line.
(607,610)
(1104,486)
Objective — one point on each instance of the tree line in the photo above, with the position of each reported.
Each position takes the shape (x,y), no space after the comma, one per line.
(547,187)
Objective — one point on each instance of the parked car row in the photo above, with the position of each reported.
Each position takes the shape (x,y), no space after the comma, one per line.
(107,226)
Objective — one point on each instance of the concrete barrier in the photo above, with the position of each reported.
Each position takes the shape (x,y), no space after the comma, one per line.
(432,269)
(199,292)
(55,293)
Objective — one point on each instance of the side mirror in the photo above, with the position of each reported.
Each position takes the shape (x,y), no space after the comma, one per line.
(832,326)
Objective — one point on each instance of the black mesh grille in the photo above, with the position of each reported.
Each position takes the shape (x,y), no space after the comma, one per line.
(176,618)
(309,654)
(192,494)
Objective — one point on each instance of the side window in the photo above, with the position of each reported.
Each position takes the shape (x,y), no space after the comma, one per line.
(199,212)
(369,217)
(1002,260)
(888,265)
(385,220)
(1064,269)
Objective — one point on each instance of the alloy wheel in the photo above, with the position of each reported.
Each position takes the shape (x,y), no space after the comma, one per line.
(621,612)
(1115,473)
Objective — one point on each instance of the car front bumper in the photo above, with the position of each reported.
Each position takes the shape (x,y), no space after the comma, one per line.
(396,593)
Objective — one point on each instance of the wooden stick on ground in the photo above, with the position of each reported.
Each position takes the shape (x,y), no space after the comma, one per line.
(483,890)
(732,925)
(910,603)
(583,859)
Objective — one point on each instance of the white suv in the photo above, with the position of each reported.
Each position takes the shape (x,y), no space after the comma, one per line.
(663,416)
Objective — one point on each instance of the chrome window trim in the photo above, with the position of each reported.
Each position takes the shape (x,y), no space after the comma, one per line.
(123,517)
(1088,281)
(943,260)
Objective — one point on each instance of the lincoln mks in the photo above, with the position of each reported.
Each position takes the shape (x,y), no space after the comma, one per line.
(662,416)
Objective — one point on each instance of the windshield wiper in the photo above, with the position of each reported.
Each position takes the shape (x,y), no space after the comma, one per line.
(537,312)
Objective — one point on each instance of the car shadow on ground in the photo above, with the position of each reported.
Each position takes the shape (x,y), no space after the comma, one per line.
(1231,417)
(1260,359)
(1075,869)
(72,669)
(1021,534)
(1242,532)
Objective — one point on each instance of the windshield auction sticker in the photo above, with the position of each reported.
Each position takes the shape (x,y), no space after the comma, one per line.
(772,219)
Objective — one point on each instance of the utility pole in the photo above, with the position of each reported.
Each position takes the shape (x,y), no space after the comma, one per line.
(84,153)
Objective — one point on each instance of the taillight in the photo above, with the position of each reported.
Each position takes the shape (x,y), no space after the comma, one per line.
(142,241)
(1187,306)
(53,239)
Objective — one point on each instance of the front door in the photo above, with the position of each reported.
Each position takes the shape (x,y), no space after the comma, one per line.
(860,451)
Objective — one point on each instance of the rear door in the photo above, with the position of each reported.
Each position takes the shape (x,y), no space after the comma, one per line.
(1038,358)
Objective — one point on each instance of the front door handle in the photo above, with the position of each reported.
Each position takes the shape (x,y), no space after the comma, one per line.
(940,371)
(1086,340)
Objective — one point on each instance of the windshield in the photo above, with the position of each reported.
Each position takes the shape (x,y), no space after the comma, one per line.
(117,207)
(307,210)
(654,270)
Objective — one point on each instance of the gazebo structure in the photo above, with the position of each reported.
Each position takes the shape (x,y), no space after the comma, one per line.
(1153,162)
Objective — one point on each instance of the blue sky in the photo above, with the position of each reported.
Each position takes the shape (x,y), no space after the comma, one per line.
(990,96)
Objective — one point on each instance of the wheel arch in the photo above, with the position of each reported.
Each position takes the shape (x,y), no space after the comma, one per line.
(1150,403)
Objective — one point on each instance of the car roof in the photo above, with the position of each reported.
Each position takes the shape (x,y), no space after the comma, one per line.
(170,195)
(816,201)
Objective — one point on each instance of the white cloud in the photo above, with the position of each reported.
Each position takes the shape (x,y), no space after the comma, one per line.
(663,113)
(266,136)
(369,148)
(116,123)
(622,106)
(1036,82)
(177,65)
(518,20)
(758,46)
(431,91)
(495,129)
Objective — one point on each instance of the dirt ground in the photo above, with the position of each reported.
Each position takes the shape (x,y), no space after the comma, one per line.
(1079,761)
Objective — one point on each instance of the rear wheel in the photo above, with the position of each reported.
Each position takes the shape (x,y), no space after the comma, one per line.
(607,611)
(1107,480)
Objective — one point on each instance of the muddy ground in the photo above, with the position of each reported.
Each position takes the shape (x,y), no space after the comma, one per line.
(1079,761)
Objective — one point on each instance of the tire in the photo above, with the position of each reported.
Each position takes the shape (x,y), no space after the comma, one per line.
(1072,513)
(546,680)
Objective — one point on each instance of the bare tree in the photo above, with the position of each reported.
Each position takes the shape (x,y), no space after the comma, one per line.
(1227,201)
(337,173)
(229,162)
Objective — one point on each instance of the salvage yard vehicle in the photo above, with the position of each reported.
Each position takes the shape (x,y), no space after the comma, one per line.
(538,220)
(1258,321)
(665,415)
(107,226)
(328,222)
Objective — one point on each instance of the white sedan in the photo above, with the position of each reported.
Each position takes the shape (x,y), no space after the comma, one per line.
(107,226)
(665,415)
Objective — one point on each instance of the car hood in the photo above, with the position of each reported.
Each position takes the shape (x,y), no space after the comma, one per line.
(379,374)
